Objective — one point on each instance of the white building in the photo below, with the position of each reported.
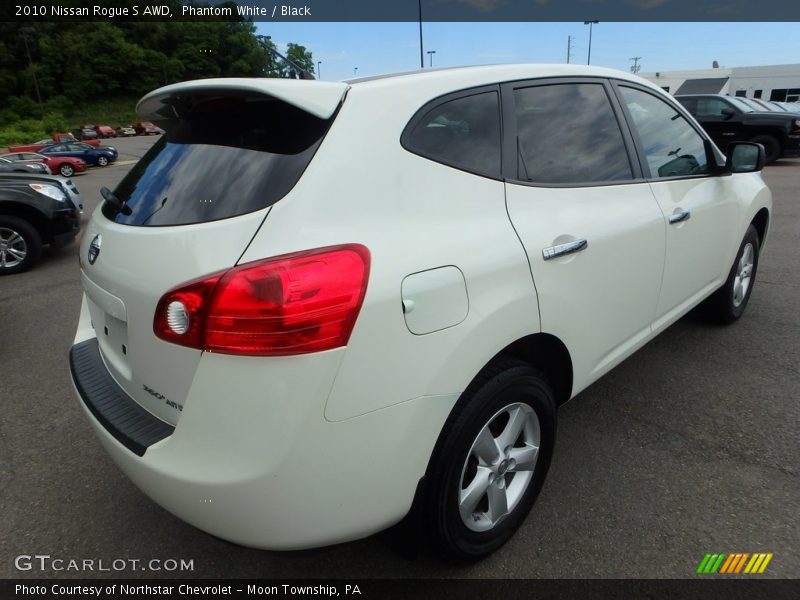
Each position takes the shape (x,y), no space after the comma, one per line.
(772,82)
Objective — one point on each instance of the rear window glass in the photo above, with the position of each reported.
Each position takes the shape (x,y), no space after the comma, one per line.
(224,157)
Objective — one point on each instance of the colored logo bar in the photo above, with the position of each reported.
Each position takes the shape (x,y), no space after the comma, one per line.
(734,563)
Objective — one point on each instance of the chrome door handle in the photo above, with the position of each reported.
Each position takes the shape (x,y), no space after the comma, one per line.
(679,217)
(564,249)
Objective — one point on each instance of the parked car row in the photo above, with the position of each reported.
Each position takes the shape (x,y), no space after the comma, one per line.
(93,132)
(35,210)
(730,119)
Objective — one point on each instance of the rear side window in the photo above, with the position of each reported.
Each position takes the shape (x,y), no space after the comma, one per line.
(567,133)
(463,133)
(222,158)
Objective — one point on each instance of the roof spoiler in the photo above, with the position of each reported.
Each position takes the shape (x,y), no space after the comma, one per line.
(319,98)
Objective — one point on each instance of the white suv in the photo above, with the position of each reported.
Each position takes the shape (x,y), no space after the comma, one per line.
(314,305)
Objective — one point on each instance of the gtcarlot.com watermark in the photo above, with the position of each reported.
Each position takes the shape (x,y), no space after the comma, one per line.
(45,562)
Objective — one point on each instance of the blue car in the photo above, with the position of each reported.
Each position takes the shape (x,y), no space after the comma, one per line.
(100,156)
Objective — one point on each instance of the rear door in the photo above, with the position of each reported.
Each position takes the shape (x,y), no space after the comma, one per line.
(196,199)
(593,232)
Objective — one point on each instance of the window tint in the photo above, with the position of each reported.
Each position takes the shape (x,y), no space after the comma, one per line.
(224,157)
(669,142)
(567,133)
(464,133)
(711,107)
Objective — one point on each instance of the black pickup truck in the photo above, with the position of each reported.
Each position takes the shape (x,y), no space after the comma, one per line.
(35,210)
(727,119)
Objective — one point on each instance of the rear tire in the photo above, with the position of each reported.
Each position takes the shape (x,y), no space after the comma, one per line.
(772,147)
(20,245)
(727,304)
(491,460)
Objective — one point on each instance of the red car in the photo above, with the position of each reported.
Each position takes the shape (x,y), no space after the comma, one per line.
(147,128)
(65,166)
(104,131)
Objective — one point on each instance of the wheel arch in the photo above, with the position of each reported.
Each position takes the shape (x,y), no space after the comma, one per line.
(761,223)
(549,354)
(546,353)
(31,215)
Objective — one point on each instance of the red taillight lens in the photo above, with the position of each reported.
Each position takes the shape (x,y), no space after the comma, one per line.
(292,304)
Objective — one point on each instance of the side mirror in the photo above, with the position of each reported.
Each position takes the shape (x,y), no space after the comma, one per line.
(745,157)
(728,113)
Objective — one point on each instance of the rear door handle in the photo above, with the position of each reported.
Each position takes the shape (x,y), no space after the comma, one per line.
(679,217)
(564,249)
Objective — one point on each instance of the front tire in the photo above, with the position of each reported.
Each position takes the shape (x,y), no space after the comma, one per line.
(727,304)
(66,170)
(20,245)
(102,161)
(772,147)
(491,460)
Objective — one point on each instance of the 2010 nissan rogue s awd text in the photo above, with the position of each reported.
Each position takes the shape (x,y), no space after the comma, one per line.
(315,305)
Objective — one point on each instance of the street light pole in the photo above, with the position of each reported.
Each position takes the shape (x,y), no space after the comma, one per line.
(319,70)
(421,55)
(590,23)
(430,55)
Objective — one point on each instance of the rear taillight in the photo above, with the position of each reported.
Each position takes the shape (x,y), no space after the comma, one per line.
(291,304)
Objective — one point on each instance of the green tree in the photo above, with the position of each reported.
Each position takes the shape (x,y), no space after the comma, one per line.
(301,57)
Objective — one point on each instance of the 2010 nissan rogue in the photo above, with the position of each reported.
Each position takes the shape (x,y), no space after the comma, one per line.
(313,305)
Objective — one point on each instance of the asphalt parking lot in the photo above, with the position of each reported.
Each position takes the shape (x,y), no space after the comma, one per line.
(690,446)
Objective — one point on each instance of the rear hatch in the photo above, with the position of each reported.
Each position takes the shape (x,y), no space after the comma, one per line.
(232,149)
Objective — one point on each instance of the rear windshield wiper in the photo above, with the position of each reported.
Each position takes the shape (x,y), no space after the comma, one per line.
(118,205)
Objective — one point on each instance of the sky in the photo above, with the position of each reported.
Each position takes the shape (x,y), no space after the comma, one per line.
(378,48)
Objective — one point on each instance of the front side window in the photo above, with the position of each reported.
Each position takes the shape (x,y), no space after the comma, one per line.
(463,133)
(671,145)
(567,133)
(711,107)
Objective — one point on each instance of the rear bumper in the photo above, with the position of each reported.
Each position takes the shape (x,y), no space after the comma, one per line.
(126,421)
(254,461)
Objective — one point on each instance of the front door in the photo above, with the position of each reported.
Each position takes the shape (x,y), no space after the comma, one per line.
(699,207)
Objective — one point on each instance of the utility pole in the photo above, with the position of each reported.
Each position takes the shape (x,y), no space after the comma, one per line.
(569,48)
(590,23)
(24,31)
(421,54)
(635,67)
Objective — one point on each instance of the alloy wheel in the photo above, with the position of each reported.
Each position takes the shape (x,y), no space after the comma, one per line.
(13,248)
(744,273)
(499,467)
